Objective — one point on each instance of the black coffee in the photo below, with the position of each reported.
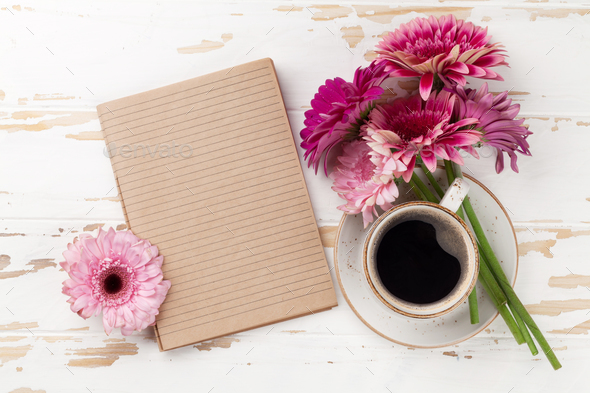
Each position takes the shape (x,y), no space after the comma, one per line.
(413,266)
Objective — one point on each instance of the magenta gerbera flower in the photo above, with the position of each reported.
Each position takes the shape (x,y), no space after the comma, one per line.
(449,48)
(116,273)
(361,183)
(410,127)
(338,110)
(496,119)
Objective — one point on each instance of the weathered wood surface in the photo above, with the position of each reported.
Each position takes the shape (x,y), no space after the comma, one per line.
(59,60)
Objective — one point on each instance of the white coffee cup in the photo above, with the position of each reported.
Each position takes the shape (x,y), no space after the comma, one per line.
(453,236)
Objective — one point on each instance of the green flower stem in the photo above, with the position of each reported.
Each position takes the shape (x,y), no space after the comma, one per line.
(437,83)
(473,307)
(495,267)
(495,292)
(525,332)
(434,183)
(498,298)
(450,172)
(417,191)
(504,313)
(472,299)
(425,191)
(517,305)
(512,325)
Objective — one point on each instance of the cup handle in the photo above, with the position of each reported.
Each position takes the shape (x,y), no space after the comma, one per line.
(455,194)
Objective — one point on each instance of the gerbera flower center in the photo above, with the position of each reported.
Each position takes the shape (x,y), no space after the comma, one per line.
(364,169)
(429,48)
(113,283)
(409,126)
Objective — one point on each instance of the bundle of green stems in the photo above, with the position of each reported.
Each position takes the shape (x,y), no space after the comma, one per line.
(491,276)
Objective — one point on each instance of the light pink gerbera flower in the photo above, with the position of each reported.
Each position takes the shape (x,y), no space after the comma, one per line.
(361,183)
(449,48)
(410,127)
(116,273)
(338,110)
(495,117)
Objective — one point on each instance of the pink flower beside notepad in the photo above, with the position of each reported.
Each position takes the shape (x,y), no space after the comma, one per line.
(117,274)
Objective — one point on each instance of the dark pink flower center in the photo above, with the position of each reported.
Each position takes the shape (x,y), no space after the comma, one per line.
(113,283)
(364,169)
(409,126)
(429,48)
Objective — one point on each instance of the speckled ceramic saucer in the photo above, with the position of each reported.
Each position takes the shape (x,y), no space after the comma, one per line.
(442,331)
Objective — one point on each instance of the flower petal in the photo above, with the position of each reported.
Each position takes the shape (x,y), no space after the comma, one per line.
(426,85)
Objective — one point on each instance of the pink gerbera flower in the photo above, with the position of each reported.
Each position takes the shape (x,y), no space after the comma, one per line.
(338,110)
(495,117)
(410,127)
(449,48)
(116,273)
(361,183)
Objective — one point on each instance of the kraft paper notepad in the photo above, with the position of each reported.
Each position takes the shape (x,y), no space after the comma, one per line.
(208,171)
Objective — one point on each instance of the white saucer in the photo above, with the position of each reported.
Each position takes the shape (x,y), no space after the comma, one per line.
(451,328)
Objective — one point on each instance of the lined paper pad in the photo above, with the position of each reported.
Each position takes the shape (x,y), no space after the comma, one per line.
(229,212)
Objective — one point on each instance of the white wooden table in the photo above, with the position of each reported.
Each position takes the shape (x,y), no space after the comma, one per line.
(60,59)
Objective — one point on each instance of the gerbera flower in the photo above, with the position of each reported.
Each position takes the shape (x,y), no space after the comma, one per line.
(116,273)
(338,110)
(495,117)
(357,181)
(411,127)
(449,48)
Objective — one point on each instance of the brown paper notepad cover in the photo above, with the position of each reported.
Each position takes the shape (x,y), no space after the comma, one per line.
(208,171)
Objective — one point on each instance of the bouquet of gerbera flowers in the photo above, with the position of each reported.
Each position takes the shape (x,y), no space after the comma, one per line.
(382,144)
